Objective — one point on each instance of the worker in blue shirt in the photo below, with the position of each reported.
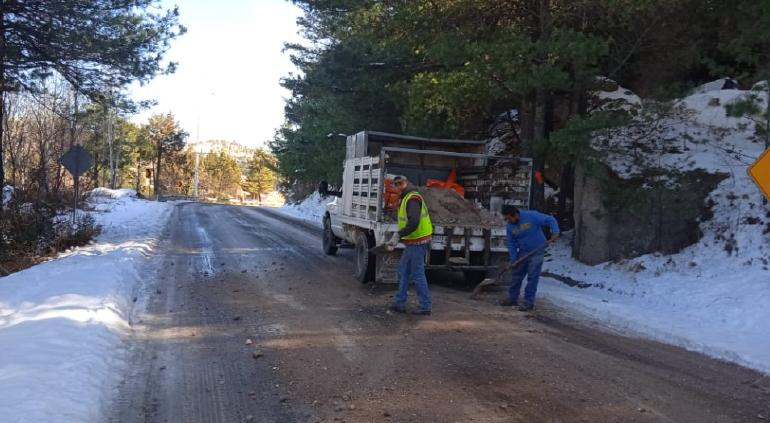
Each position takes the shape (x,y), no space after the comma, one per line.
(525,235)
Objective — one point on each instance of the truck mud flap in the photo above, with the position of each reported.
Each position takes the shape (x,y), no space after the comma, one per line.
(387,267)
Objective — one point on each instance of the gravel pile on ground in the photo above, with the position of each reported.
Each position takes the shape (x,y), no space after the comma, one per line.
(447,208)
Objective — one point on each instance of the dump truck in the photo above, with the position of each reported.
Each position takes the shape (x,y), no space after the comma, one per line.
(464,205)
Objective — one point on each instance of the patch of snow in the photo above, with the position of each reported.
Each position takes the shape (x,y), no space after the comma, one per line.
(495,146)
(7,195)
(618,99)
(717,85)
(550,192)
(760,86)
(708,109)
(113,193)
(504,132)
(62,321)
(311,209)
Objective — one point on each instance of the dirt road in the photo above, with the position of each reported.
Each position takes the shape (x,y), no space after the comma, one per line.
(249,321)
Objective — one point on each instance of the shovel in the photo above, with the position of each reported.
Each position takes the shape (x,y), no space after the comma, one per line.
(381,249)
(491,281)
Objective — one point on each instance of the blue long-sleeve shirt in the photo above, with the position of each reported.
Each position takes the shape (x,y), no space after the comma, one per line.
(528,235)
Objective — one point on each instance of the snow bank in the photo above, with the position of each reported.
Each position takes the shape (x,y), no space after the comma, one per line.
(61,322)
(311,209)
(712,297)
(113,193)
(713,305)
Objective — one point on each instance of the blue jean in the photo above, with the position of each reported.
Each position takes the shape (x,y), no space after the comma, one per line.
(530,268)
(412,268)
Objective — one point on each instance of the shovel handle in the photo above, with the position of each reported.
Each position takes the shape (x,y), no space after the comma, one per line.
(509,266)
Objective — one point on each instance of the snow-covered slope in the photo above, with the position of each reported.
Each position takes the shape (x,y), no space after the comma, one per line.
(61,321)
(714,296)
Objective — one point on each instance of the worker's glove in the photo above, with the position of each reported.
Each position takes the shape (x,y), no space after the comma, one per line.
(553,239)
(394,240)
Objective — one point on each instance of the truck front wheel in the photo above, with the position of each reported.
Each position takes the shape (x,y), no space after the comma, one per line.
(329,240)
(365,262)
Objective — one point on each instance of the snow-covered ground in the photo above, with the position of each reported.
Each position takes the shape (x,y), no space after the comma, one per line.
(310,209)
(61,322)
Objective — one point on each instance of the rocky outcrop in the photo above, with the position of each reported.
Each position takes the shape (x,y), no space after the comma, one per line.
(624,218)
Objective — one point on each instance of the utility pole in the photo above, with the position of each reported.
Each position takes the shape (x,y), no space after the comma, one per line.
(197,165)
(197,155)
(196,177)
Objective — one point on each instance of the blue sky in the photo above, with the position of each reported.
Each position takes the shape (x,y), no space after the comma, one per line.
(230,64)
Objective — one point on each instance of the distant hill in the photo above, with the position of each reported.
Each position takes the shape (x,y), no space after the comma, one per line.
(240,152)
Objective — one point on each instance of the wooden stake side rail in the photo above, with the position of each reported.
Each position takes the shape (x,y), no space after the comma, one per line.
(366,187)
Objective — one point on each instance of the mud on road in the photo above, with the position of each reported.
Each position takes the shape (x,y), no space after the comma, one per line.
(248,320)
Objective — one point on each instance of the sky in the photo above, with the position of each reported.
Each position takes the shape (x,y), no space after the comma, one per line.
(229,66)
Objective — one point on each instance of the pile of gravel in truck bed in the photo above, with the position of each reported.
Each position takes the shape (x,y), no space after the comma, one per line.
(447,208)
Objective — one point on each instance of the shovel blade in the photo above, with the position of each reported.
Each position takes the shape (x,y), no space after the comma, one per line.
(482,284)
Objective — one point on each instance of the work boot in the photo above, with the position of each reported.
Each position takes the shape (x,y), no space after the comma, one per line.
(397,308)
(421,312)
(526,307)
(508,303)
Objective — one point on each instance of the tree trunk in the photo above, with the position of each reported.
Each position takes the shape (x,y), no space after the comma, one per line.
(110,143)
(138,175)
(116,180)
(2,97)
(540,111)
(157,171)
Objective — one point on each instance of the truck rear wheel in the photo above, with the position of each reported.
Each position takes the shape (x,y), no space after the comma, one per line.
(365,262)
(329,240)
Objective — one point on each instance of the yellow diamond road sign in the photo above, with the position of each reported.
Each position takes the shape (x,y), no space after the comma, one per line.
(760,172)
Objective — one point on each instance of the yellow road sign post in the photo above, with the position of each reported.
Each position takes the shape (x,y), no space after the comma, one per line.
(760,173)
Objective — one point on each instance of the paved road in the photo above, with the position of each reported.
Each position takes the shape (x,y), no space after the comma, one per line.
(249,321)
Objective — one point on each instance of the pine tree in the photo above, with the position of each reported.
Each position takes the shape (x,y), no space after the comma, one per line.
(166,136)
(221,175)
(261,178)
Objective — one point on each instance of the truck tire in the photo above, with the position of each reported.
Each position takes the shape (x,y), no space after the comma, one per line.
(329,240)
(365,262)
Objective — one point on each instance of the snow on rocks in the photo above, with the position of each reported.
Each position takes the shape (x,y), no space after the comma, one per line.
(504,132)
(608,95)
(719,84)
(713,296)
(61,322)
(760,86)
(684,135)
